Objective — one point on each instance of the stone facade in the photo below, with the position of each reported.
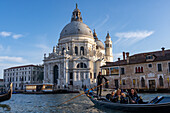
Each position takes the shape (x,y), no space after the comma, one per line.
(141,71)
(22,75)
(75,61)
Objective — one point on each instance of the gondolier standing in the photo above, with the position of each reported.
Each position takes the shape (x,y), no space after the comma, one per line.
(100,77)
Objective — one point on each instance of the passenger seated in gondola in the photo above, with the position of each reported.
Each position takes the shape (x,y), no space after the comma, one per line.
(120,97)
(111,96)
(124,99)
(87,92)
(134,98)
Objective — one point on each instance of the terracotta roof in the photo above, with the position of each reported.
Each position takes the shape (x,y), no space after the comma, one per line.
(141,58)
(23,66)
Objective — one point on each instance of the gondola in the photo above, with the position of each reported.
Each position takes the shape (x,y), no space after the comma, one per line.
(6,96)
(162,105)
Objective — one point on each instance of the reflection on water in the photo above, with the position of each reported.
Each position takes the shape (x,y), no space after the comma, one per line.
(48,103)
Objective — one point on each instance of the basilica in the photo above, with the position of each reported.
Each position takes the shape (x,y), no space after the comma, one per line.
(76,60)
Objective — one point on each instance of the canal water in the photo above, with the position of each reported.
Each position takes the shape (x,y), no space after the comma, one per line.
(23,103)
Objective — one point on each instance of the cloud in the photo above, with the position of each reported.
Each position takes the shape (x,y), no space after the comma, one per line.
(132,37)
(5,34)
(10,34)
(12,59)
(16,36)
(103,22)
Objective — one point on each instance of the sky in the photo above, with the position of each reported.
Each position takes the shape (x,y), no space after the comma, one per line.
(30,28)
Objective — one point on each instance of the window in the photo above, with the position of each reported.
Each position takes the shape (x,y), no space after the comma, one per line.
(169,67)
(76,50)
(159,67)
(124,82)
(78,65)
(71,75)
(107,71)
(85,66)
(150,65)
(107,45)
(90,75)
(81,65)
(161,83)
(86,75)
(142,82)
(149,57)
(139,70)
(122,71)
(63,51)
(95,76)
(134,82)
(81,50)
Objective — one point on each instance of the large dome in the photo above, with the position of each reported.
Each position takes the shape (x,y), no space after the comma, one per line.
(76,28)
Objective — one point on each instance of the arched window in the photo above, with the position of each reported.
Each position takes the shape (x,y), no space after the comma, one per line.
(82,50)
(161,81)
(142,82)
(138,69)
(63,51)
(85,66)
(81,65)
(141,69)
(78,65)
(55,74)
(76,50)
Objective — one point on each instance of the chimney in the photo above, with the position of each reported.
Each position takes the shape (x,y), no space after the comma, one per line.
(127,54)
(118,59)
(123,55)
(163,51)
(127,57)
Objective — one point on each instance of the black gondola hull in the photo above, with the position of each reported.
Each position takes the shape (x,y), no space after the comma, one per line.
(6,96)
(152,108)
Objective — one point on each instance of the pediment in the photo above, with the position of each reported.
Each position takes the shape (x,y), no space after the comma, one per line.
(81,58)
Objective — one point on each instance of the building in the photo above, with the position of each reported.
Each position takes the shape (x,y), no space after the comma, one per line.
(149,70)
(1,85)
(75,61)
(22,75)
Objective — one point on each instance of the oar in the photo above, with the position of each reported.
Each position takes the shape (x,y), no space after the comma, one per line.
(82,93)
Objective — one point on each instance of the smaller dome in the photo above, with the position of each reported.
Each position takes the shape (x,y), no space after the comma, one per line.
(100,44)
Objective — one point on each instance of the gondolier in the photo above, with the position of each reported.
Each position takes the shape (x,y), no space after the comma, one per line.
(99,81)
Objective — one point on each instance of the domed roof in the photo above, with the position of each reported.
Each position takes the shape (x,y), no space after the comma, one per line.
(100,44)
(76,28)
